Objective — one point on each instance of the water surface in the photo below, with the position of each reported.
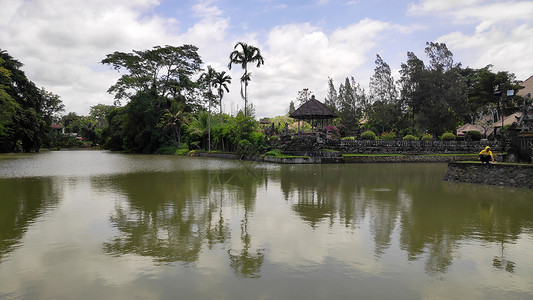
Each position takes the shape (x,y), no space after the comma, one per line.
(95,225)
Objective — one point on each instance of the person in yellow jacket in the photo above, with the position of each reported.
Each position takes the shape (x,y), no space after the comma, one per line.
(486,155)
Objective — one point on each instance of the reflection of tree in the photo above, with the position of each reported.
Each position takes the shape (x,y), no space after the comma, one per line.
(502,263)
(434,217)
(246,263)
(384,210)
(442,215)
(23,200)
(170,216)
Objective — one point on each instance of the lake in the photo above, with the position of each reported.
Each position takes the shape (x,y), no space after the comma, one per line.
(102,225)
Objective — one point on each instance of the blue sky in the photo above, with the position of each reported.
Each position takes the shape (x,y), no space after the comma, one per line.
(61,42)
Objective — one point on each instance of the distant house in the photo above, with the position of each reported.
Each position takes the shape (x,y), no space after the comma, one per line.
(490,127)
(58,128)
(463,130)
(527,91)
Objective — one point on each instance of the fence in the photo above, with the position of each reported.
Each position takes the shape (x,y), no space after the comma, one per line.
(414,147)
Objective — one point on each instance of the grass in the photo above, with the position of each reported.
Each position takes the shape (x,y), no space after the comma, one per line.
(361,154)
(452,154)
(277,153)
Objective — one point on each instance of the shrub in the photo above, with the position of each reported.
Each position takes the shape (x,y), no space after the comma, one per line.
(447,137)
(368,135)
(473,136)
(410,137)
(333,132)
(348,138)
(387,136)
(427,137)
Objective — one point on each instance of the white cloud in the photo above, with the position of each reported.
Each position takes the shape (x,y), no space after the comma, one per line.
(507,50)
(304,56)
(502,34)
(61,42)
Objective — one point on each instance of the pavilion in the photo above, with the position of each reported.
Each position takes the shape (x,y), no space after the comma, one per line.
(314,112)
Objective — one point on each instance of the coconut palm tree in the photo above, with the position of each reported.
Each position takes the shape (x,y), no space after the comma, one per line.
(249,54)
(221,82)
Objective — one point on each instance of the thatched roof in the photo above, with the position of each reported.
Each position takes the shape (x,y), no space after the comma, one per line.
(461,131)
(528,88)
(313,110)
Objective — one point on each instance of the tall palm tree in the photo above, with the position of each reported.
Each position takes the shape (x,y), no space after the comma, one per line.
(249,54)
(209,78)
(221,82)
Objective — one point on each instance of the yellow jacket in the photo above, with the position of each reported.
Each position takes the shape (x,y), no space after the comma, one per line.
(486,151)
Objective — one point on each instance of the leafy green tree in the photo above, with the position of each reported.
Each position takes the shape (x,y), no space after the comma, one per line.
(351,101)
(22,127)
(291,107)
(248,54)
(156,82)
(164,71)
(52,106)
(384,111)
(411,96)
(436,94)
(8,105)
(99,113)
(382,86)
(172,123)
(332,97)
(482,83)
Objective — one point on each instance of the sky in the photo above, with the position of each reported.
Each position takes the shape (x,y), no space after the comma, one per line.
(62,42)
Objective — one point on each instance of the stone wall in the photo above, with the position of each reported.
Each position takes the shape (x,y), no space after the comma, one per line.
(410,147)
(492,174)
(408,159)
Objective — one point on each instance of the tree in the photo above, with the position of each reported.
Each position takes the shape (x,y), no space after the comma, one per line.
(351,101)
(22,127)
(332,97)
(165,71)
(52,106)
(304,95)
(248,54)
(8,105)
(291,107)
(208,78)
(411,96)
(172,122)
(435,95)
(384,111)
(221,83)
(382,87)
(155,81)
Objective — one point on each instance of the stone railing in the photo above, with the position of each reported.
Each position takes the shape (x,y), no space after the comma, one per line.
(410,147)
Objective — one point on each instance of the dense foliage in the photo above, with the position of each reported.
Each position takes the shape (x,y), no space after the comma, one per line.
(164,103)
(26,112)
(165,108)
(434,97)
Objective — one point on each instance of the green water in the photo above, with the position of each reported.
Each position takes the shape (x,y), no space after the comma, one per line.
(100,225)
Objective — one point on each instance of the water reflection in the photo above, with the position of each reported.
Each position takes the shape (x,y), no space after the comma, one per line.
(169,216)
(131,225)
(23,201)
